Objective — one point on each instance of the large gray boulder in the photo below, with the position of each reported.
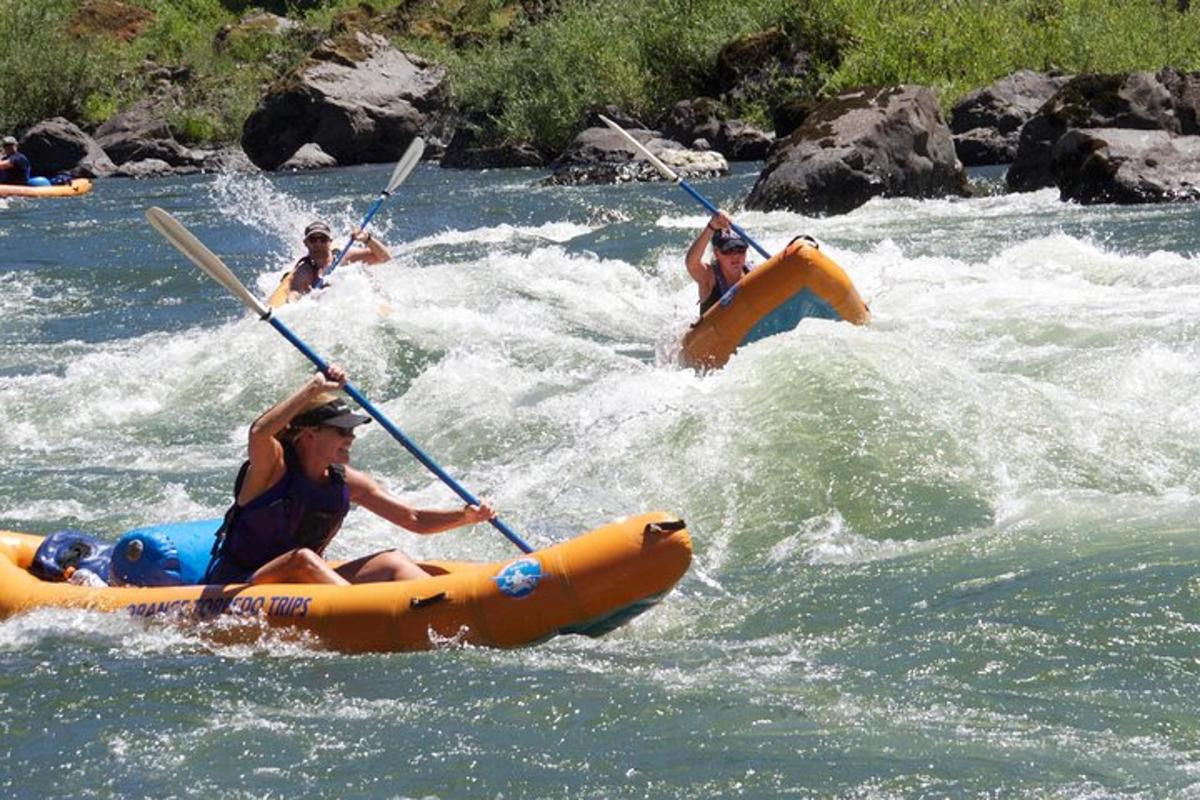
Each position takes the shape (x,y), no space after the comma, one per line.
(1127,166)
(1163,101)
(58,145)
(878,142)
(601,155)
(141,132)
(357,97)
(987,122)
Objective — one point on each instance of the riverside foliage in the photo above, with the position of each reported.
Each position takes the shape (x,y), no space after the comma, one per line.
(535,68)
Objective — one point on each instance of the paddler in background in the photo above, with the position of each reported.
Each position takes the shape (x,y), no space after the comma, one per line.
(307,273)
(714,279)
(295,489)
(14,167)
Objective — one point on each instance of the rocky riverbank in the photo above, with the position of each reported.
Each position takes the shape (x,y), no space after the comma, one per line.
(358,98)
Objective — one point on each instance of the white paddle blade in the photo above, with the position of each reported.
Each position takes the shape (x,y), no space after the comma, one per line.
(406,163)
(183,241)
(666,171)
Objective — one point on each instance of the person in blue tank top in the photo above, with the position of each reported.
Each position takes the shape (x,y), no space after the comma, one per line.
(307,273)
(714,279)
(295,489)
(14,167)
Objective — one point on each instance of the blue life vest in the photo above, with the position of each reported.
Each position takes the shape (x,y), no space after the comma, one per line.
(295,512)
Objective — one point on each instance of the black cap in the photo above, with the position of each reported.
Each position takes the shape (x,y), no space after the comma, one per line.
(334,413)
(727,241)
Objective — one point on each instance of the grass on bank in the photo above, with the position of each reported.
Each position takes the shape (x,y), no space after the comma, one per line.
(536,67)
(644,56)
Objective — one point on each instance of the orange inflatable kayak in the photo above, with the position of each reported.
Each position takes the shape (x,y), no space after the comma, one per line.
(77,186)
(800,282)
(587,585)
(279,297)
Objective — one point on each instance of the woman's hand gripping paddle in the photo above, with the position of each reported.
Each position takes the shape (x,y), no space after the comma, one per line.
(202,257)
(673,177)
(404,166)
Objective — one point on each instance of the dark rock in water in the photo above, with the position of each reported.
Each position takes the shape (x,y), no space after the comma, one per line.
(141,132)
(358,97)
(469,149)
(592,118)
(702,119)
(878,142)
(57,145)
(1166,101)
(601,155)
(224,159)
(987,123)
(740,141)
(789,115)
(149,168)
(1127,166)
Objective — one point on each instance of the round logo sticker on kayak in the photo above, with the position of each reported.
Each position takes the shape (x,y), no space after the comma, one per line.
(520,577)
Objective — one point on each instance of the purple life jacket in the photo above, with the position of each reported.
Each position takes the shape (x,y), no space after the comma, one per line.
(720,287)
(294,513)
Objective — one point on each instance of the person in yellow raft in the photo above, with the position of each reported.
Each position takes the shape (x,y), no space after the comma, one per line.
(714,279)
(296,487)
(308,272)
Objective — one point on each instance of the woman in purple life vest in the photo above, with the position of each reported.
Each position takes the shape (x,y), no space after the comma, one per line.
(296,488)
(729,251)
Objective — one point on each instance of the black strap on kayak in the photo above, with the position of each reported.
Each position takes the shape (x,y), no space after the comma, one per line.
(664,527)
(804,237)
(423,602)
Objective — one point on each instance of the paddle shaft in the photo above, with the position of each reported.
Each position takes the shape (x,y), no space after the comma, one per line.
(396,433)
(674,177)
(687,187)
(378,204)
(412,154)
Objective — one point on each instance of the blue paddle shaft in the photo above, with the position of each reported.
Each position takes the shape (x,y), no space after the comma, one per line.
(396,433)
(687,187)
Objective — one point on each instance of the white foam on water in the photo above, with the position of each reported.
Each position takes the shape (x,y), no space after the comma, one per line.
(558,232)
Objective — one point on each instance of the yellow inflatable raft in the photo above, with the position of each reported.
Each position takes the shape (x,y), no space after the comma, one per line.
(588,585)
(798,283)
(76,187)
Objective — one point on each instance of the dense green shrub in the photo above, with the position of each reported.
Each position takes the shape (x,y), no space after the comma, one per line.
(43,72)
(959,45)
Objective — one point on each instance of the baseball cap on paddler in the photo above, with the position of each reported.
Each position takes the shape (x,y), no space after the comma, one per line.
(317,228)
(727,241)
(334,413)
(9,140)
